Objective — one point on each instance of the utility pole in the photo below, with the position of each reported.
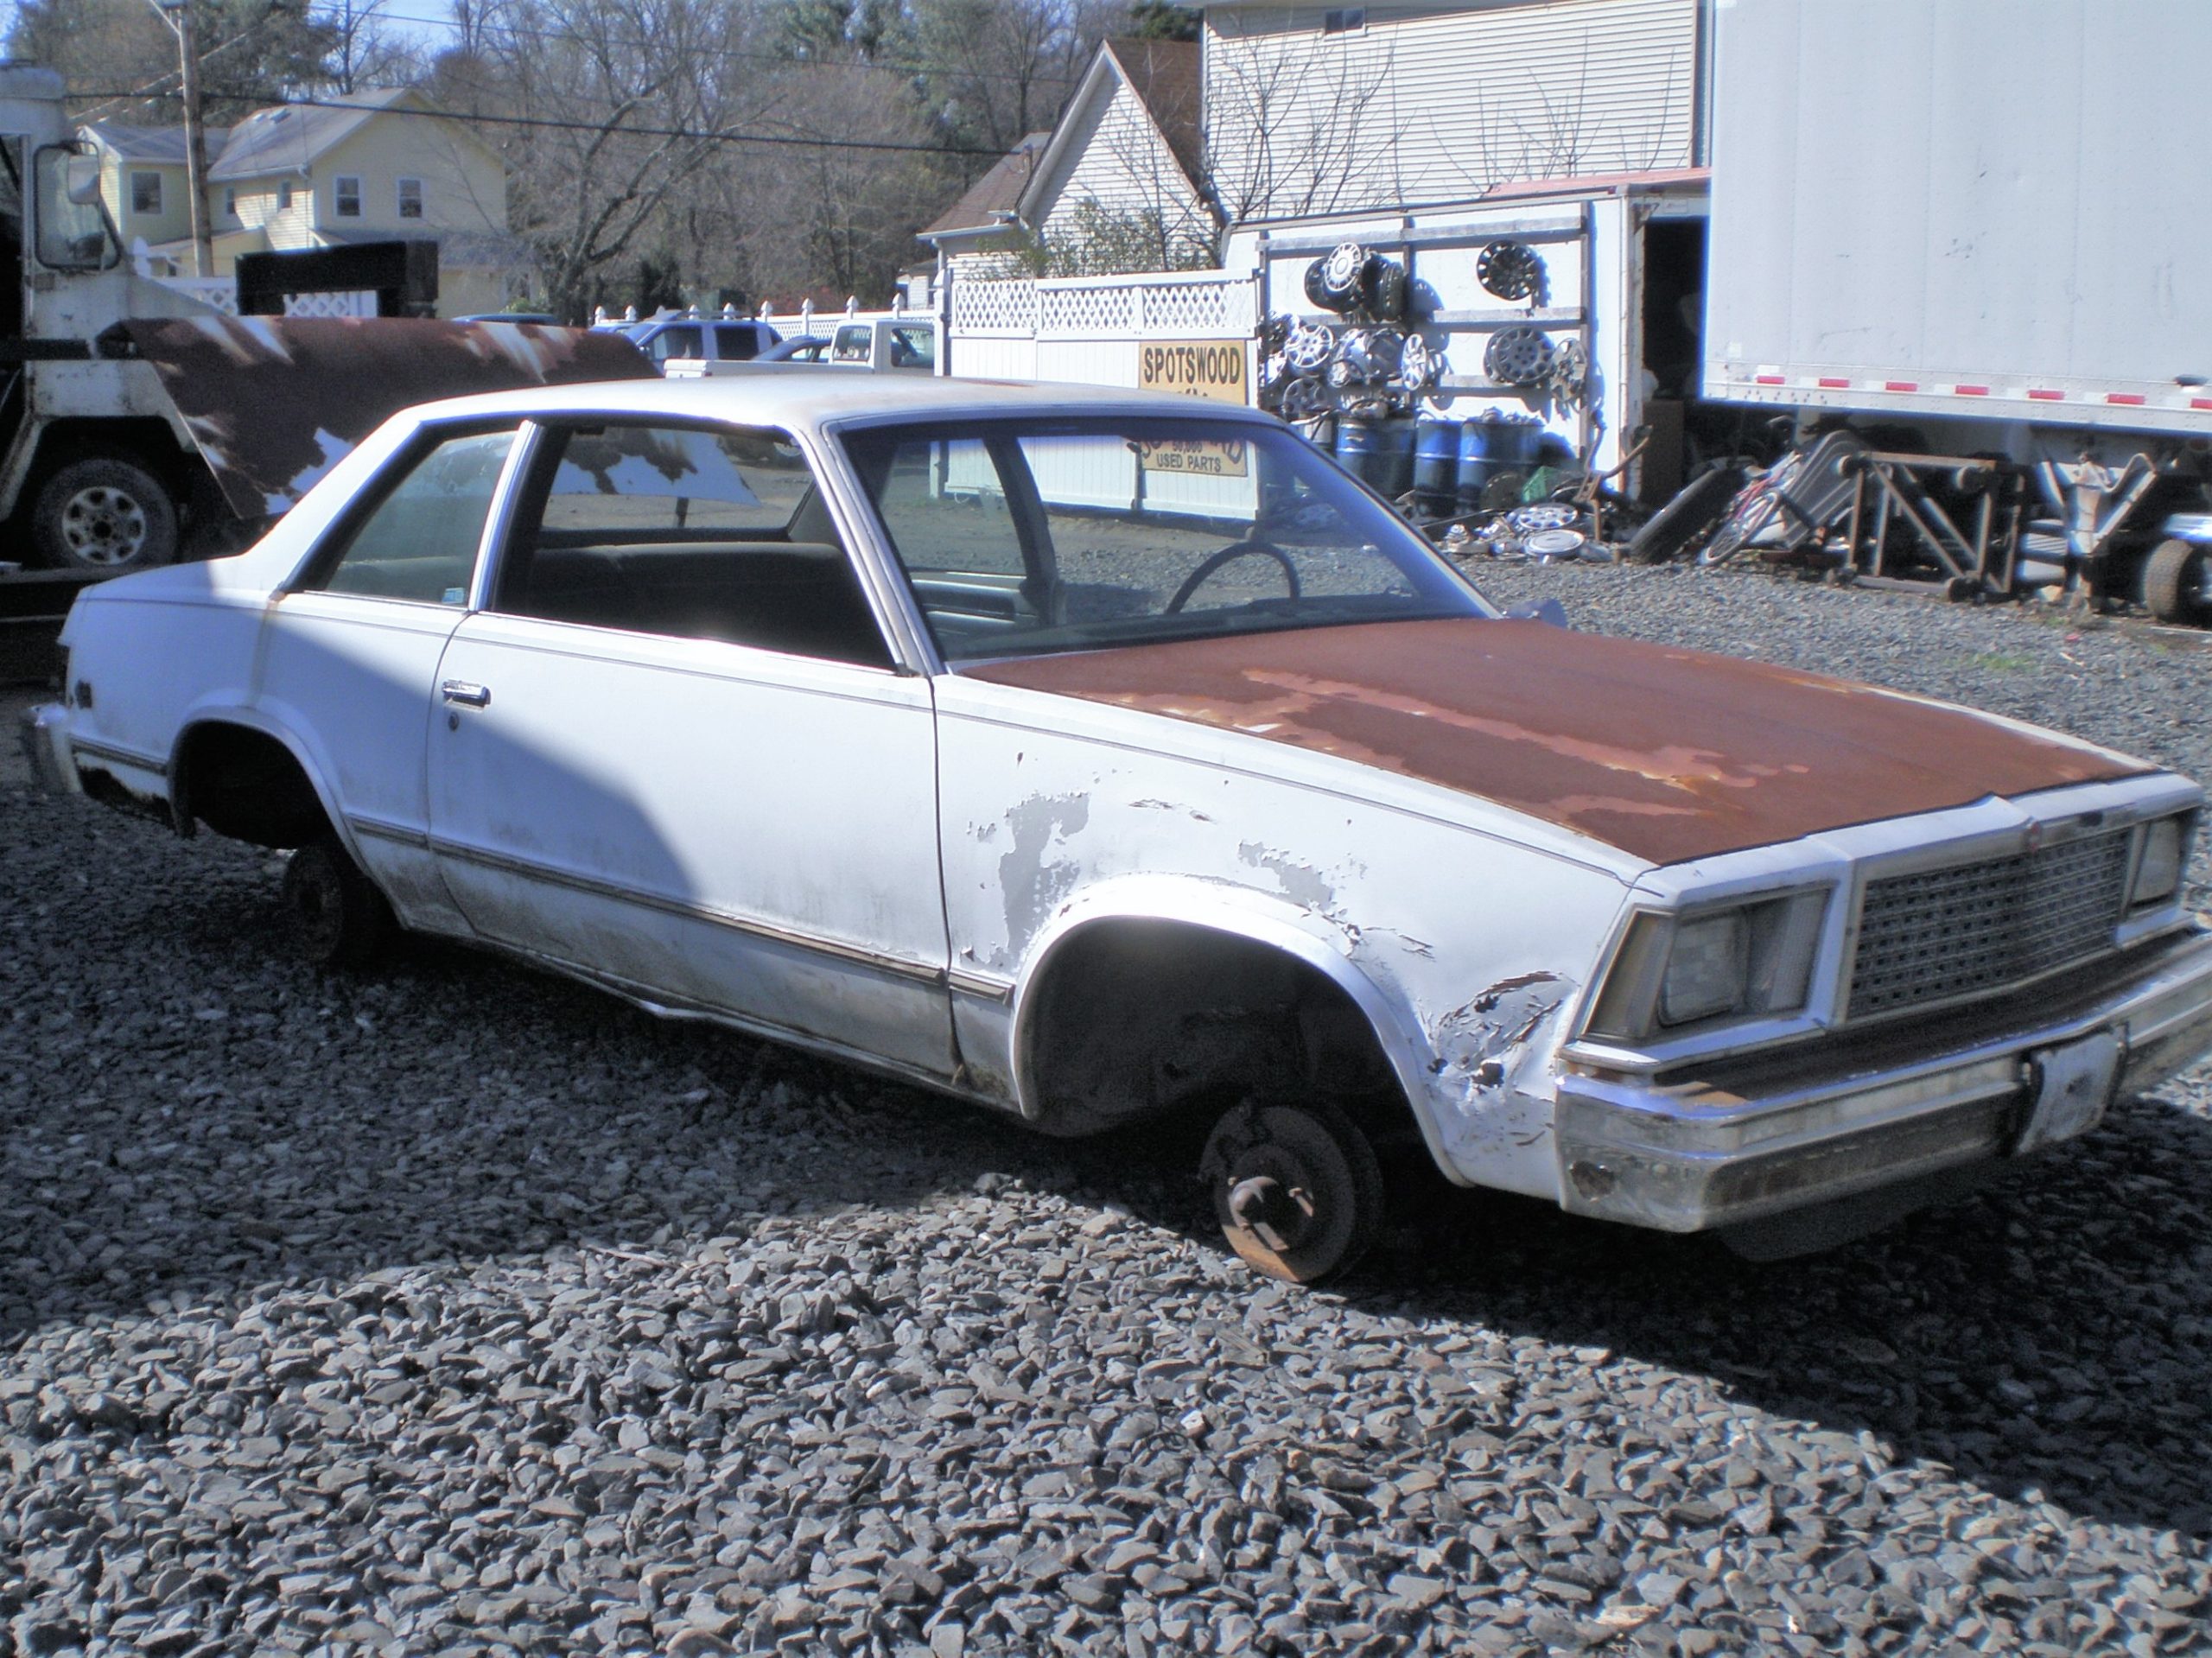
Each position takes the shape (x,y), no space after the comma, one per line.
(178,15)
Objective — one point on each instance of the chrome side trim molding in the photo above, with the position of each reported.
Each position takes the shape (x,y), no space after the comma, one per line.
(97,750)
(662,1006)
(379,828)
(921,972)
(985,986)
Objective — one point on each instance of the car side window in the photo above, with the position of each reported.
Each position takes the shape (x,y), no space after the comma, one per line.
(737,342)
(853,343)
(689,532)
(419,541)
(682,341)
(912,347)
(946,510)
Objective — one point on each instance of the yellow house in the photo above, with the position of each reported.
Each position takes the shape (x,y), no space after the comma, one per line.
(372,166)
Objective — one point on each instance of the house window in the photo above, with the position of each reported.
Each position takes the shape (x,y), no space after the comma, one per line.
(145,193)
(411,198)
(231,201)
(284,196)
(1343,20)
(347,197)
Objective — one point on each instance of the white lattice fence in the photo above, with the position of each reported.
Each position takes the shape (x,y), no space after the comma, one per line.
(1001,307)
(360,302)
(221,292)
(1087,329)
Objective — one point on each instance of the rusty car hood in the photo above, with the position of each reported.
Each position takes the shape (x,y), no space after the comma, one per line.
(1667,754)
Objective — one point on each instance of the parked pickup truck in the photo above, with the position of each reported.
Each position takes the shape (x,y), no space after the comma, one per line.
(892,342)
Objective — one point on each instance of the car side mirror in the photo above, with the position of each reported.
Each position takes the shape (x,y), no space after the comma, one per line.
(1541,610)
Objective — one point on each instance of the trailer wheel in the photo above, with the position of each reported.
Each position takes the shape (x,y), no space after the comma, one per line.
(2173,582)
(104,516)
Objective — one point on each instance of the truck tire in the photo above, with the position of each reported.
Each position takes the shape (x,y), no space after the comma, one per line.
(2173,582)
(104,516)
(1696,507)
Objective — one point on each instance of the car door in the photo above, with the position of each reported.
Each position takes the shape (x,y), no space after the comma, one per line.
(674,753)
(349,652)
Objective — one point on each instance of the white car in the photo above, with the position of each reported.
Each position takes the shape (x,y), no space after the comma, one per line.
(1090,756)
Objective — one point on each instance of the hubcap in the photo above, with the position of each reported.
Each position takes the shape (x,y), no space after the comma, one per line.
(103,525)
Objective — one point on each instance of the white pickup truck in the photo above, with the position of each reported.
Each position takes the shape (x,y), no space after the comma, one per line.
(906,343)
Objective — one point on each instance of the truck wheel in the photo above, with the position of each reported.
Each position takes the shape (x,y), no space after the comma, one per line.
(1296,1189)
(2173,582)
(340,919)
(104,516)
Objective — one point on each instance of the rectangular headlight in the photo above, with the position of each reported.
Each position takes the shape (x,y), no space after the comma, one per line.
(1751,958)
(2158,867)
(1708,970)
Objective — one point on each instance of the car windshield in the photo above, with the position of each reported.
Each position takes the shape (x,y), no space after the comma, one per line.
(1025,537)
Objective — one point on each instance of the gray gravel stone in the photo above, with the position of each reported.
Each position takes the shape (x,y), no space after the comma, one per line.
(452,1309)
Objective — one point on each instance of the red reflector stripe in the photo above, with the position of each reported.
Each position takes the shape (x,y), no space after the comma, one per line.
(2048,397)
(1900,386)
(2123,396)
(1833,380)
(1769,380)
(1971,391)
(2200,403)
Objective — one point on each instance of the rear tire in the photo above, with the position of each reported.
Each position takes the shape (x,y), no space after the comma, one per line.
(2173,582)
(339,917)
(1296,1188)
(104,516)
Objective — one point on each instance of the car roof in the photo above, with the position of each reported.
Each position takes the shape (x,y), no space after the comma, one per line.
(806,395)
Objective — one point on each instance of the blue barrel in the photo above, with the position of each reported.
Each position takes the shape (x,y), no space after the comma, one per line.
(1436,463)
(1490,447)
(1476,467)
(1357,441)
(1379,452)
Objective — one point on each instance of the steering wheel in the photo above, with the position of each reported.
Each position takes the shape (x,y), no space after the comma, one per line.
(1235,551)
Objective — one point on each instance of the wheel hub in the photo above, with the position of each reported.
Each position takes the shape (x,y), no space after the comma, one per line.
(1279,1216)
(103,525)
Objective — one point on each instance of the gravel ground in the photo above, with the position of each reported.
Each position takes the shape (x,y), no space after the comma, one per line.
(456,1309)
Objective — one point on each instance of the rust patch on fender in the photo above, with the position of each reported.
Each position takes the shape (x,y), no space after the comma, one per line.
(1668,754)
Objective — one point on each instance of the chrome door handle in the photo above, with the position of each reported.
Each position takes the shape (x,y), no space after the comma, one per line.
(459,691)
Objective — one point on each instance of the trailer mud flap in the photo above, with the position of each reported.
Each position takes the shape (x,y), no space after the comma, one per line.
(276,402)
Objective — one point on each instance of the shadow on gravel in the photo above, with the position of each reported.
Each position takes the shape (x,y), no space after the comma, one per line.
(207,1117)
(2048,1335)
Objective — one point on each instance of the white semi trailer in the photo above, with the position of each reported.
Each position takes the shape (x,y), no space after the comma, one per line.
(1989,220)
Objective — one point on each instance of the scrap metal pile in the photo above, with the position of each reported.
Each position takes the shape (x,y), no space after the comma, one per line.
(1364,378)
(1975,527)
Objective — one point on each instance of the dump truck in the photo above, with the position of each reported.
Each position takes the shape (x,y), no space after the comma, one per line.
(1981,226)
(138,423)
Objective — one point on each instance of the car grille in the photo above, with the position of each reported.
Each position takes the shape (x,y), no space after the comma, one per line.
(1936,933)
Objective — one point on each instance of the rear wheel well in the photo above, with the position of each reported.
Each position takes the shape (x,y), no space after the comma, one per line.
(1136,1018)
(245,785)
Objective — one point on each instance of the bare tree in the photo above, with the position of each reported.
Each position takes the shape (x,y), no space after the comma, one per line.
(638,97)
(1297,124)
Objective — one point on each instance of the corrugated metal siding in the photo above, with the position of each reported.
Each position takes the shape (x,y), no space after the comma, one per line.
(1448,105)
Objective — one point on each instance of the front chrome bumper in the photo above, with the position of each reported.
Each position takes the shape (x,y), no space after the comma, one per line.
(44,731)
(1693,1156)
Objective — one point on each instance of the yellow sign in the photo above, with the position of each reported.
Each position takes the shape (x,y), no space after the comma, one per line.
(1197,368)
(1215,457)
(1213,369)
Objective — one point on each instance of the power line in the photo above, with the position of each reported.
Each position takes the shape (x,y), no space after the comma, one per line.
(893,65)
(554,124)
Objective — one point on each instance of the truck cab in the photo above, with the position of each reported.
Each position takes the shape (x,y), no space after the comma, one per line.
(98,471)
